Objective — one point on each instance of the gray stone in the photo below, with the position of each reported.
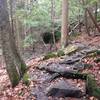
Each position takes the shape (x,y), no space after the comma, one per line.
(63,89)
(79,66)
(55,68)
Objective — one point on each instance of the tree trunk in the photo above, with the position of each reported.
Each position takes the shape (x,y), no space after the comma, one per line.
(86,23)
(96,12)
(14,64)
(64,26)
(19,62)
(53,20)
(93,19)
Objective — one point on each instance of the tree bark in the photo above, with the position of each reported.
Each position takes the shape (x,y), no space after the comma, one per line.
(53,20)
(86,23)
(19,61)
(14,64)
(64,26)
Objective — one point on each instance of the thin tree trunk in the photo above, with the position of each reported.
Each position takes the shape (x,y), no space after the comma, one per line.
(86,23)
(53,21)
(96,13)
(79,17)
(93,19)
(64,26)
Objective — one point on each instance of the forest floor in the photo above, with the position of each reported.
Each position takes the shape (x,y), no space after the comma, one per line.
(37,87)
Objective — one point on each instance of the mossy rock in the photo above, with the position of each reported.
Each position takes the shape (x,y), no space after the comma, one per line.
(91,87)
(93,53)
(60,53)
(70,49)
(54,54)
(66,51)
(26,79)
(91,84)
(50,55)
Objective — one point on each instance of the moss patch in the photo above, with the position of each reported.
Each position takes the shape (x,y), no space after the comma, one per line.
(92,88)
(60,53)
(23,68)
(70,49)
(66,51)
(50,55)
(15,80)
(26,79)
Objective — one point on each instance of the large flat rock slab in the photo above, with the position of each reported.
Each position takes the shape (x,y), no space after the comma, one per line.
(63,89)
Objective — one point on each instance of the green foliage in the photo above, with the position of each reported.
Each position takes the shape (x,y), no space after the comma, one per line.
(40,13)
(37,16)
(75,9)
(29,40)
